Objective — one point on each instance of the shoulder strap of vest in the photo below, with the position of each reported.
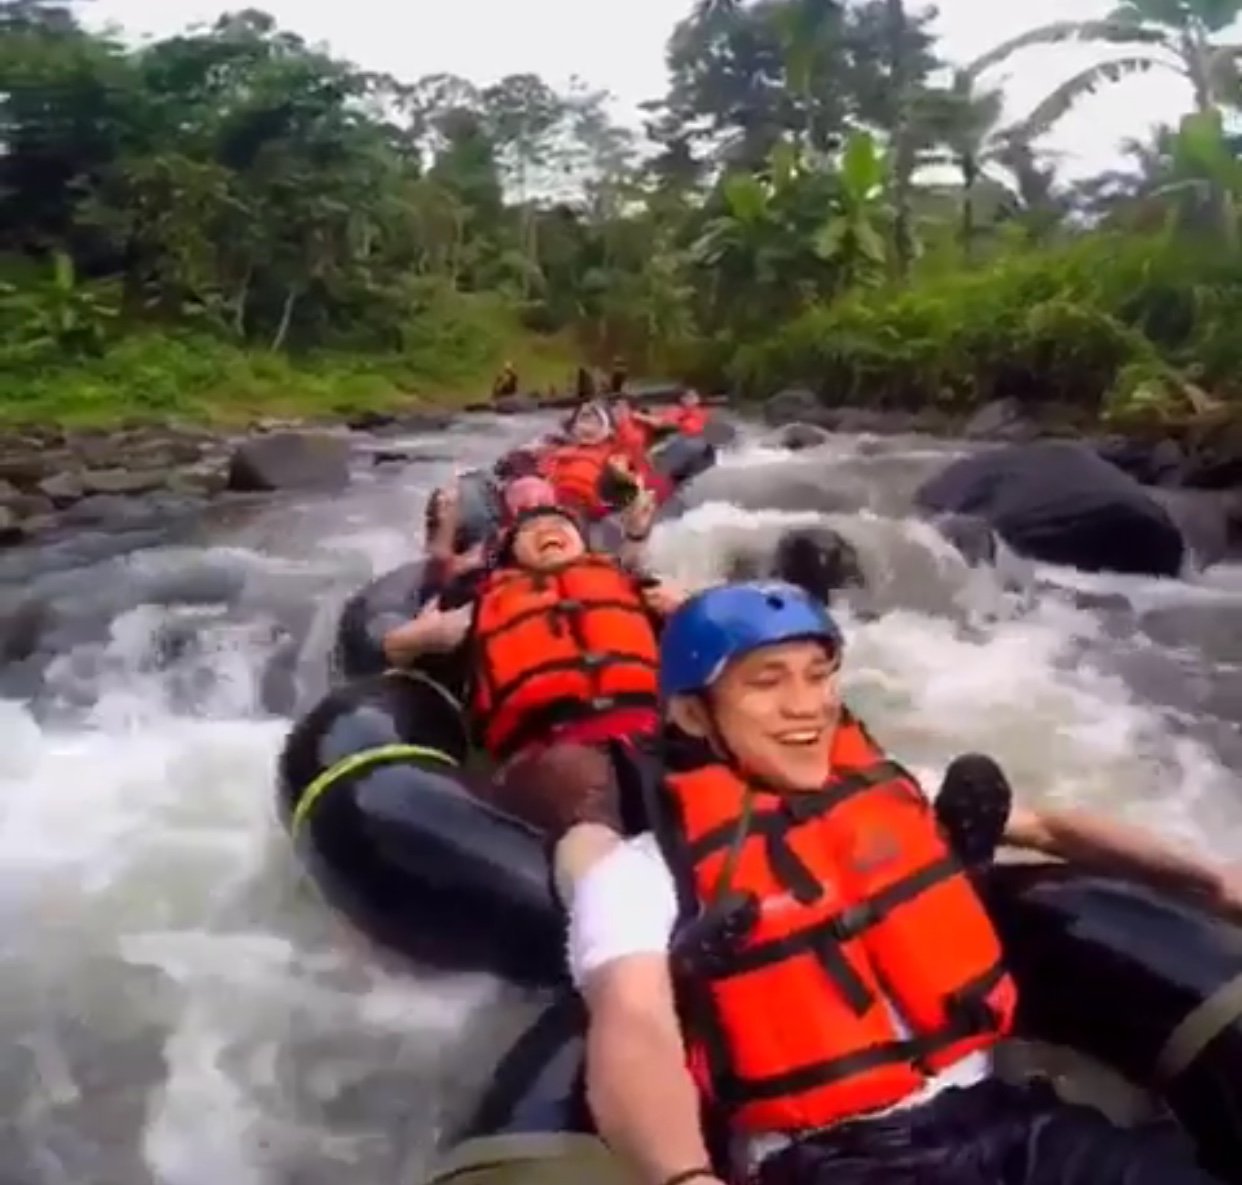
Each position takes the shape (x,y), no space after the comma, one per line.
(661,817)
(779,814)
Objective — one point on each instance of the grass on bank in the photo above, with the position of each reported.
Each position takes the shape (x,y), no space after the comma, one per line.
(187,376)
(1139,333)
(1112,328)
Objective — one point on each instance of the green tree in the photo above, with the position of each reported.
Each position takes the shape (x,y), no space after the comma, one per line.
(1176,35)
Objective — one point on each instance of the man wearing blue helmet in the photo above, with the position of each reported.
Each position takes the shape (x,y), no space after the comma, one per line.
(795,945)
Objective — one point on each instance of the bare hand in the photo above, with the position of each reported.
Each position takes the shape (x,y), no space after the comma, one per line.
(637,517)
(446,628)
(621,466)
(450,503)
(444,528)
(663,598)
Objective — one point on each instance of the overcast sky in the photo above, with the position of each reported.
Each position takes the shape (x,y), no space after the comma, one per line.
(621,47)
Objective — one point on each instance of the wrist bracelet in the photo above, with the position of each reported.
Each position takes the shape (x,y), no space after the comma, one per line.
(690,1175)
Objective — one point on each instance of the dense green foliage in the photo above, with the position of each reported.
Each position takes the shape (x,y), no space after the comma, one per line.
(232,220)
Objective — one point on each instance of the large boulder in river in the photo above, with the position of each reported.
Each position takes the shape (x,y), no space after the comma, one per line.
(1061,503)
(797,437)
(290,461)
(819,560)
(1002,419)
(794,405)
(1210,522)
(970,534)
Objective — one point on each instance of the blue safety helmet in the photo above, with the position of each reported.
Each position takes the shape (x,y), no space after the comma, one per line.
(722,624)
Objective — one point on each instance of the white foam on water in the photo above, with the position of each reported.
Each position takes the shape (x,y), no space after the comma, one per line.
(141,843)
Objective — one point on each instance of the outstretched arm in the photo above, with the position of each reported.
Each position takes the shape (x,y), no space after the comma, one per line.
(1107,846)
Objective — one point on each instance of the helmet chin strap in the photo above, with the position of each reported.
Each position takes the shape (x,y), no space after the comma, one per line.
(750,786)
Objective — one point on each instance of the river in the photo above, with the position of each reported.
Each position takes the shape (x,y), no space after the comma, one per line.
(178,1007)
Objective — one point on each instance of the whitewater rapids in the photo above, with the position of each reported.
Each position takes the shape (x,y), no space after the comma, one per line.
(179,1008)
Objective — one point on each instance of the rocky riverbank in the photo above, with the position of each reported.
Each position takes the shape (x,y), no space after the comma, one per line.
(1202,453)
(51,479)
(1175,479)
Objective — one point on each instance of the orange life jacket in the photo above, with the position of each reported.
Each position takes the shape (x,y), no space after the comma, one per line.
(575,471)
(689,421)
(863,915)
(558,646)
(631,436)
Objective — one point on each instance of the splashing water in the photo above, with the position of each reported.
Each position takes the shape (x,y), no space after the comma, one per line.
(179,1009)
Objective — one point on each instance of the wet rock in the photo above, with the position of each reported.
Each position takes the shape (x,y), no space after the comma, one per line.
(122,481)
(104,509)
(970,534)
(1062,504)
(1002,419)
(61,488)
(797,437)
(390,456)
(204,477)
(796,404)
(289,460)
(23,467)
(22,623)
(818,560)
(27,505)
(40,524)
(1214,455)
(1155,464)
(883,423)
(266,424)
(424,421)
(11,529)
(1206,520)
(512,405)
(368,421)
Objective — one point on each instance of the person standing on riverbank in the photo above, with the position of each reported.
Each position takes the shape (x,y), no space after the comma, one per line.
(507,383)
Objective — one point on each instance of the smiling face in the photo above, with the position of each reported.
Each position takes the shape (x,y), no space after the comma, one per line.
(590,426)
(546,542)
(776,710)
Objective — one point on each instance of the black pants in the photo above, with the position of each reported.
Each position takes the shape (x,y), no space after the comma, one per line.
(990,1134)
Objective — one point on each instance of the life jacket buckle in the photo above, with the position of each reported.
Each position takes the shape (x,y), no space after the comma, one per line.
(801,808)
(593,662)
(971,1012)
(602,703)
(707,944)
(569,605)
(852,921)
